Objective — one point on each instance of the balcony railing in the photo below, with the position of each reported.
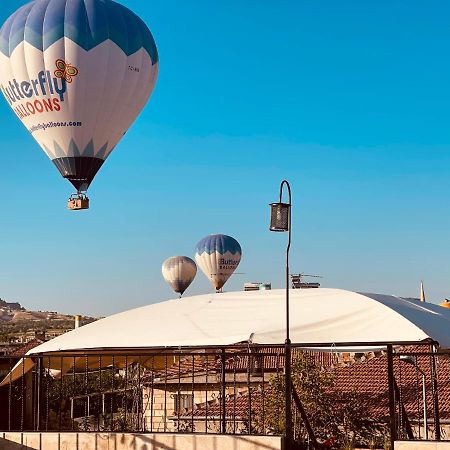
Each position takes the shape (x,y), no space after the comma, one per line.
(339,393)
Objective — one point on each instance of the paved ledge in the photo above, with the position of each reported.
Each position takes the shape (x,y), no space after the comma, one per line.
(135,441)
(421,445)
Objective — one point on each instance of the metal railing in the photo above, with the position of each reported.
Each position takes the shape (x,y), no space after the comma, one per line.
(359,397)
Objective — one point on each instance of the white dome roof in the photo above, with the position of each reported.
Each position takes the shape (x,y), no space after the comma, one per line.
(316,316)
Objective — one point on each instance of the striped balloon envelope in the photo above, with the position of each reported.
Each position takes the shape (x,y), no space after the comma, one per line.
(179,272)
(218,255)
(77,73)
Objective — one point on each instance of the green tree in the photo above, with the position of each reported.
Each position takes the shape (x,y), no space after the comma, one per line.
(337,419)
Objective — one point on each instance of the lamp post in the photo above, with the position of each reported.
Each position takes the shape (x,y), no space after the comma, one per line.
(280,220)
(413,360)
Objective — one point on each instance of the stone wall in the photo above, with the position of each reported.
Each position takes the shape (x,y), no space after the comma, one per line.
(129,441)
(161,418)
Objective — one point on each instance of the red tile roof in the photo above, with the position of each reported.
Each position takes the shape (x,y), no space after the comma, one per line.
(370,380)
(21,351)
(367,380)
(266,359)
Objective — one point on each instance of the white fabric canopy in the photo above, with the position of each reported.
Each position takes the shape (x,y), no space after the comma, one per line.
(317,316)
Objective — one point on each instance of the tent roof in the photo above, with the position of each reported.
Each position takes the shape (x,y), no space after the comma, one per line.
(317,316)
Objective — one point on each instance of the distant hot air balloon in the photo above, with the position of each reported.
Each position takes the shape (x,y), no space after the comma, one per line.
(179,272)
(77,73)
(218,255)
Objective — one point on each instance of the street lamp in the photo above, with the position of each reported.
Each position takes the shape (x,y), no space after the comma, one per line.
(413,361)
(280,220)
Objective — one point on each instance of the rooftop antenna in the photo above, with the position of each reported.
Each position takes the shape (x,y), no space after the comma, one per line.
(298,283)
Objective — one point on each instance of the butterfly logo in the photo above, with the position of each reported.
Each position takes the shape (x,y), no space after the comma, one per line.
(65,70)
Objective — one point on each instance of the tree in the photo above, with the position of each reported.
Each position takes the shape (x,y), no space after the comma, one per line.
(339,420)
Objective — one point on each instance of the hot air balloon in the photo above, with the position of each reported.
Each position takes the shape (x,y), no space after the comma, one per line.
(218,255)
(179,272)
(77,73)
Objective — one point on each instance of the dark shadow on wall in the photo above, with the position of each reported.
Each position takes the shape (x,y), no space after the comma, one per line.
(150,443)
(5,444)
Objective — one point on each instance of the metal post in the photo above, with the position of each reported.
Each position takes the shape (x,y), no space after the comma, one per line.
(391,385)
(223,427)
(278,223)
(288,369)
(38,393)
(424,400)
(434,386)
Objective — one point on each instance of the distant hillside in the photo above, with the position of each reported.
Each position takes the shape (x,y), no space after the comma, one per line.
(15,320)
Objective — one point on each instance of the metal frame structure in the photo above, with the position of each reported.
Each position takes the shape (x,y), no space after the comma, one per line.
(37,402)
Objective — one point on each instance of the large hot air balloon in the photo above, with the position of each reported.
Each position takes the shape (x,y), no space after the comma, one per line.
(179,272)
(77,73)
(218,255)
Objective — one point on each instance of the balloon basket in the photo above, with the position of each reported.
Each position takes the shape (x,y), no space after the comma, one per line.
(78,201)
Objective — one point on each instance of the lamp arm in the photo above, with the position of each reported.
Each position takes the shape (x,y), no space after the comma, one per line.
(285,182)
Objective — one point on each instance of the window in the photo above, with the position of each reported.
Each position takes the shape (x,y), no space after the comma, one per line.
(183,402)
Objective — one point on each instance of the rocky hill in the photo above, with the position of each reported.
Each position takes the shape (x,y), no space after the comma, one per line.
(15,306)
(16,321)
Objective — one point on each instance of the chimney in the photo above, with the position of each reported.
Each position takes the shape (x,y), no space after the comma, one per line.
(78,321)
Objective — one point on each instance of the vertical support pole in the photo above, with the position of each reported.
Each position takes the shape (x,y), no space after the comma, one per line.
(288,395)
(60,395)
(22,394)
(434,387)
(10,367)
(34,395)
(288,369)
(206,393)
(165,392)
(193,393)
(424,400)
(101,393)
(279,225)
(38,393)
(223,427)
(391,386)
(29,397)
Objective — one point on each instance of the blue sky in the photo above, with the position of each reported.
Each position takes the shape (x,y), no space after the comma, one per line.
(348,100)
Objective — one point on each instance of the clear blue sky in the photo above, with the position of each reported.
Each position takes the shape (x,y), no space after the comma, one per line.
(348,100)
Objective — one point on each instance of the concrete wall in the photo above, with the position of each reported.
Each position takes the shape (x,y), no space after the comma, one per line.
(128,441)
(421,445)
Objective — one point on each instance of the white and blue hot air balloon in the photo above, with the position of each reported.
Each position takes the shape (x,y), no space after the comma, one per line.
(77,73)
(218,255)
(179,272)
